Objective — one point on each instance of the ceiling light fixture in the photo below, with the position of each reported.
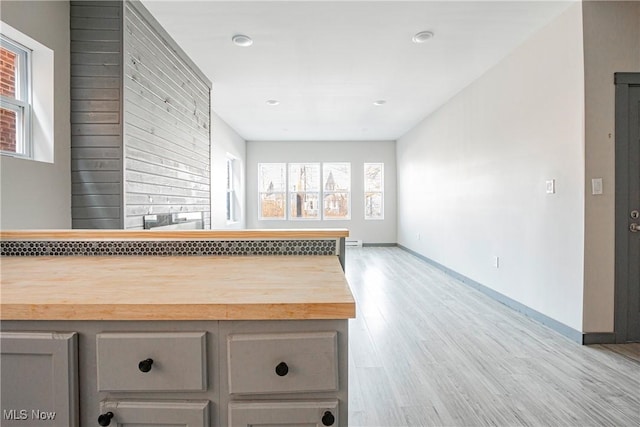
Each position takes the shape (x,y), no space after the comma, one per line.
(242,40)
(273,102)
(379,102)
(422,37)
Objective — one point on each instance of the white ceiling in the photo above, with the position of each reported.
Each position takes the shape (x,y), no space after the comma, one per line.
(328,61)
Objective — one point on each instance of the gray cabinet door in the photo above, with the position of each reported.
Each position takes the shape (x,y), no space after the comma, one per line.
(140,413)
(39,379)
(284,413)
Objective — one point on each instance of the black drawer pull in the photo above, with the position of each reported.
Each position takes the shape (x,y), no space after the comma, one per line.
(105,419)
(282,369)
(145,365)
(328,419)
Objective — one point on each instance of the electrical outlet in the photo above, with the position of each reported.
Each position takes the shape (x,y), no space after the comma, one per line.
(418,236)
(496,261)
(551,186)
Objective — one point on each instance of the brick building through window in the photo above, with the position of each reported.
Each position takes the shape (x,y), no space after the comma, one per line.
(8,117)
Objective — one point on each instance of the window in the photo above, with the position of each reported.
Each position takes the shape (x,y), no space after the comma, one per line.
(374,191)
(272,190)
(231,197)
(15,97)
(304,190)
(337,190)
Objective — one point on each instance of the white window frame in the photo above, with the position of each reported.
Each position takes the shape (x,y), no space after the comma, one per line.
(230,191)
(369,191)
(21,104)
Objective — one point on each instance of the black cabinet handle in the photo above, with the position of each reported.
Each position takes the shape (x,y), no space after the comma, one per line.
(105,419)
(328,419)
(145,365)
(282,369)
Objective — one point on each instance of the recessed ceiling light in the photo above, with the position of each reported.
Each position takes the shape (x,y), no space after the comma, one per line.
(273,102)
(422,36)
(379,102)
(242,40)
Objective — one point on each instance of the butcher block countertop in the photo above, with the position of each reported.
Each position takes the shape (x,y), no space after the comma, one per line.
(174,288)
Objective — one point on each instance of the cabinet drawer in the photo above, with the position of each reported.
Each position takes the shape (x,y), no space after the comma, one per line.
(155,413)
(282,363)
(284,413)
(152,361)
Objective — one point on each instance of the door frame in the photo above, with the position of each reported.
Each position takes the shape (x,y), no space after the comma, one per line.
(622,82)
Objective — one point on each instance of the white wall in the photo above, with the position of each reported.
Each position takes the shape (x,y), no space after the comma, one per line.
(355,152)
(611,44)
(471,176)
(37,194)
(225,141)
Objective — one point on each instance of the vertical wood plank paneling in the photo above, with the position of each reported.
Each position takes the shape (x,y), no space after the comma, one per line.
(96,111)
(166,124)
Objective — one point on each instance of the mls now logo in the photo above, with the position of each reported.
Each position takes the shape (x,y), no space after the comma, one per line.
(24,414)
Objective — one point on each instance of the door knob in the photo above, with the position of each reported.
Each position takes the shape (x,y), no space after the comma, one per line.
(634,228)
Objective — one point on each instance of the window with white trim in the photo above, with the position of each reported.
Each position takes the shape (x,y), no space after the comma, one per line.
(336,190)
(272,188)
(15,98)
(304,190)
(374,191)
(231,197)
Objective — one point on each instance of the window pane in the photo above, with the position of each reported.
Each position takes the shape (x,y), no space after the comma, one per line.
(373,206)
(373,177)
(9,137)
(337,185)
(8,76)
(336,205)
(304,205)
(271,177)
(337,176)
(272,205)
(272,187)
(304,177)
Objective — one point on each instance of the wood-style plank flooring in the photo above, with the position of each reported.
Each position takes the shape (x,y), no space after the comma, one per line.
(426,350)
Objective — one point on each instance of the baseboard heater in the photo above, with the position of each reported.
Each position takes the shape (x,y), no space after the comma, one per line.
(353,242)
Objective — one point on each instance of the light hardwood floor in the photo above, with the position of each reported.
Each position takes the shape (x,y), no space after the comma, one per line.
(426,350)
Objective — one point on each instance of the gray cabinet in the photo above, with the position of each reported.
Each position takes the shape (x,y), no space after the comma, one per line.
(39,379)
(204,373)
(139,413)
(288,413)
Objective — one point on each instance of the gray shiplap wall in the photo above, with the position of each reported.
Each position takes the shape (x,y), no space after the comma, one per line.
(96,114)
(141,119)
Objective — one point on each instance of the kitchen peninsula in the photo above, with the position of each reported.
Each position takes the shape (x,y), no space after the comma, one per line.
(201,328)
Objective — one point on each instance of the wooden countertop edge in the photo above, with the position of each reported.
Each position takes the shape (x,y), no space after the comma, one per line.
(160,312)
(71,235)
